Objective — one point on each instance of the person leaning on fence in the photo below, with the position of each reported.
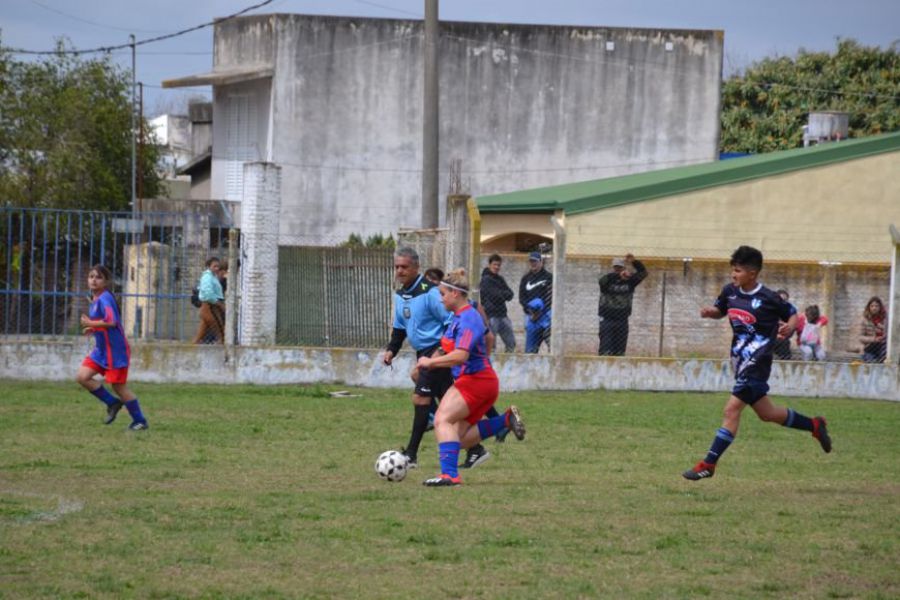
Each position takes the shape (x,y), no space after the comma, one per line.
(212,304)
(495,293)
(537,283)
(614,307)
(809,333)
(873,331)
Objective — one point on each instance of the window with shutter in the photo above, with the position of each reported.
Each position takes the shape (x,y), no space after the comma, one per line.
(241,140)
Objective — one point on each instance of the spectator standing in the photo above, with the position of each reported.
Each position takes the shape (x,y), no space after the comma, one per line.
(614,307)
(537,283)
(873,329)
(212,303)
(495,293)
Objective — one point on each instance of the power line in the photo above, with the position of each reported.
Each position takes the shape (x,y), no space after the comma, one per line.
(139,42)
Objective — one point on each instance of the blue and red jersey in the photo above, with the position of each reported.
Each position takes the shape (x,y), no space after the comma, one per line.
(466,332)
(111,349)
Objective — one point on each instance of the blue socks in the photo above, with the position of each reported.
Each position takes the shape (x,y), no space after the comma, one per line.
(104,396)
(492,426)
(720,443)
(797,421)
(134,409)
(448,452)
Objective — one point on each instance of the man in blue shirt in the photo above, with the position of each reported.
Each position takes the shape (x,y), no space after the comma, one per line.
(420,317)
(758,317)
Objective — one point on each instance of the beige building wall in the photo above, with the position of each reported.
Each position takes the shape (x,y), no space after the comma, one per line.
(839,212)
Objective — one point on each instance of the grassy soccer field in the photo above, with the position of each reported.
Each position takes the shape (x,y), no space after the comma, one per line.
(269,492)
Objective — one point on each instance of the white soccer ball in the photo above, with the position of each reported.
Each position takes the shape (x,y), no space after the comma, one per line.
(392,465)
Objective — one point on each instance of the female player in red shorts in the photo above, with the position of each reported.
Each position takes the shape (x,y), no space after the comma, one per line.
(111,353)
(458,423)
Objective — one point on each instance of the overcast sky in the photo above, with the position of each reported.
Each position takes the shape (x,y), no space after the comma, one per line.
(753,28)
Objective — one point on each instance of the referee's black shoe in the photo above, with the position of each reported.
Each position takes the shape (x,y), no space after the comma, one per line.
(475,456)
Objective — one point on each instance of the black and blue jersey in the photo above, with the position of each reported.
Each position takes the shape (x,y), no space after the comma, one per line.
(754,318)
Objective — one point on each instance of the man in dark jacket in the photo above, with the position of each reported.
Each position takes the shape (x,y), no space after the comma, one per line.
(536,283)
(616,293)
(494,296)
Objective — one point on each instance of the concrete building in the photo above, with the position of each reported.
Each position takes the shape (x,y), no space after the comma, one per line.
(336,102)
(199,167)
(820,215)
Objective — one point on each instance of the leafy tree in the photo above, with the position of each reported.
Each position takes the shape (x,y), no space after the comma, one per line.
(65,134)
(765,108)
(373,241)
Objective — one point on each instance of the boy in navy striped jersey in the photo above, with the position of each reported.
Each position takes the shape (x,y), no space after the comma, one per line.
(754,312)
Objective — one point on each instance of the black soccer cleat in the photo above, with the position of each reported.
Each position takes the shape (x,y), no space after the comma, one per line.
(516,425)
(702,470)
(139,426)
(412,462)
(475,456)
(443,480)
(820,432)
(112,412)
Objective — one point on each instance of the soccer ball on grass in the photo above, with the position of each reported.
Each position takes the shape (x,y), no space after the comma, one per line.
(392,465)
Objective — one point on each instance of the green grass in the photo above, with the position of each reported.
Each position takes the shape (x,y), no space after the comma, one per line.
(269,492)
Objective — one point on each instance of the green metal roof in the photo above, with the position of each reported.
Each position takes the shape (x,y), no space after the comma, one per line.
(586,196)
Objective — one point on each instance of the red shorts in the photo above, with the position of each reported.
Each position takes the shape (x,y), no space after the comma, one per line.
(111,375)
(480,391)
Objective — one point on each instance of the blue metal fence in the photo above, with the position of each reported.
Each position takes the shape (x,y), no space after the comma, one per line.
(156,259)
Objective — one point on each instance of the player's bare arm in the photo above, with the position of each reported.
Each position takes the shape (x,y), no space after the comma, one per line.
(711,312)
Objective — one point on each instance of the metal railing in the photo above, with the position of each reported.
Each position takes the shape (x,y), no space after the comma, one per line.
(156,259)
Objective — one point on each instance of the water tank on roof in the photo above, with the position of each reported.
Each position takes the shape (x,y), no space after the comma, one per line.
(826,126)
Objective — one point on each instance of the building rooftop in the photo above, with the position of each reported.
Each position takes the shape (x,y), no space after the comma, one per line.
(586,196)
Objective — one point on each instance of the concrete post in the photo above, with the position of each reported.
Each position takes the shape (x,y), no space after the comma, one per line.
(458,231)
(829,287)
(260,211)
(557,322)
(893,332)
(231,296)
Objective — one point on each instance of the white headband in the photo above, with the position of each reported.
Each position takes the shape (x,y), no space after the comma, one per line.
(453,287)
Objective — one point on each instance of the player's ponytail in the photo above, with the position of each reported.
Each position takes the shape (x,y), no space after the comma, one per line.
(457,280)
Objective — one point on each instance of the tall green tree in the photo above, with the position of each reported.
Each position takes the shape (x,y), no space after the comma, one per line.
(65,134)
(765,108)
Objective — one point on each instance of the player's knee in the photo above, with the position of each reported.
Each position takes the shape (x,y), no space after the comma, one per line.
(731,413)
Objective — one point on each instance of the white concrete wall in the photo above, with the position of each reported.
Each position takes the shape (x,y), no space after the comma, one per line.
(522,105)
(171,363)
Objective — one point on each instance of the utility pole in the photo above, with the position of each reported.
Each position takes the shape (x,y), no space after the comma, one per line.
(430,130)
(133,112)
(140,154)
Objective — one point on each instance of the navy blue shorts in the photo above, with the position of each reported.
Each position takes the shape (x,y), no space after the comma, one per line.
(750,390)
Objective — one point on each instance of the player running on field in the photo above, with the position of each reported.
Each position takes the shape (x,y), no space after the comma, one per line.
(754,312)
(111,353)
(458,423)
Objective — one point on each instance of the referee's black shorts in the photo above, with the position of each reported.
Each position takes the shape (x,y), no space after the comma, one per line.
(432,383)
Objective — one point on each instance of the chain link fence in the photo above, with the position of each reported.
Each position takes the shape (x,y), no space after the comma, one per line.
(643,305)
